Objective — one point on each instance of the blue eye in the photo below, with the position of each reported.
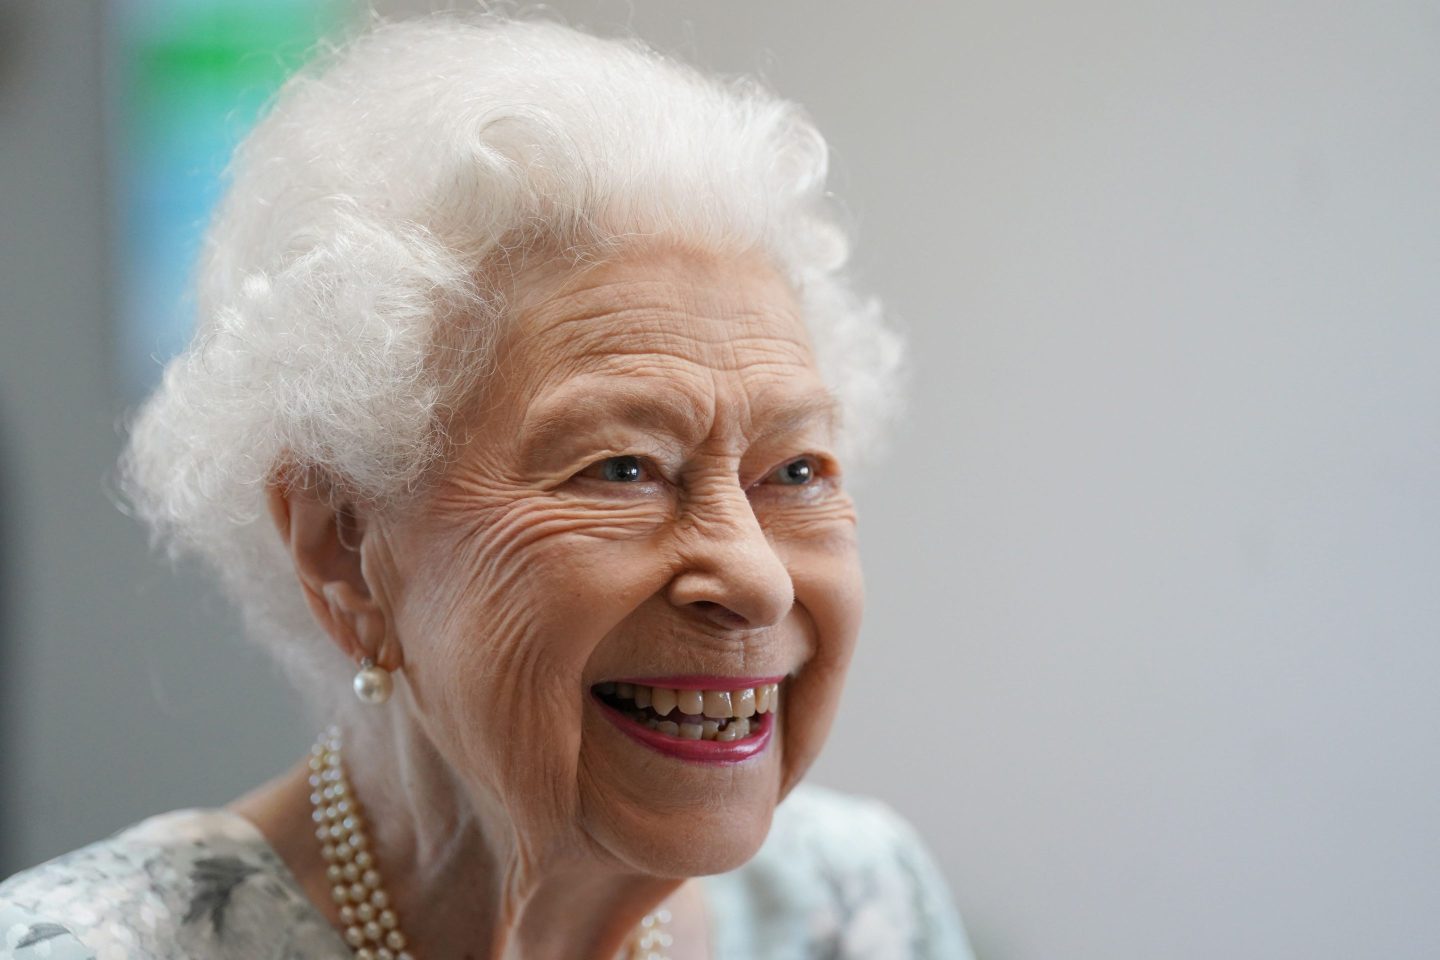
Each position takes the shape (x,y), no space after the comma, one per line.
(621,470)
(796,473)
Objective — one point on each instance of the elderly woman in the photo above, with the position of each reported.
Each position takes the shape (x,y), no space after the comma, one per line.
(518,407)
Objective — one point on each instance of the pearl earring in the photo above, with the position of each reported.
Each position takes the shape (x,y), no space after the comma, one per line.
(372,684)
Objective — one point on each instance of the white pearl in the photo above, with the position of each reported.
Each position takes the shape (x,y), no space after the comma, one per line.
(364,904)
(373,685)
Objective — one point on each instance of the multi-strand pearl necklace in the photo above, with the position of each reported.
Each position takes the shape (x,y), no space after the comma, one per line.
(371,926)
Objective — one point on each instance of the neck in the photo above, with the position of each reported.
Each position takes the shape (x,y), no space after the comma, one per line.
(463,883)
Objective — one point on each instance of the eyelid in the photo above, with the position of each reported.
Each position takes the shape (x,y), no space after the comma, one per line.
(819,470)
(651,472)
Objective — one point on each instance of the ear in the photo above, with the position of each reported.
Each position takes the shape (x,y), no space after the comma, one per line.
(323,533)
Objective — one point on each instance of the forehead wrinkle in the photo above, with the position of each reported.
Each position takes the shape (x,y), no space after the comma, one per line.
(672,331)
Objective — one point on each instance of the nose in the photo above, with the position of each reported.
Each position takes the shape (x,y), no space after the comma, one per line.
(731,575)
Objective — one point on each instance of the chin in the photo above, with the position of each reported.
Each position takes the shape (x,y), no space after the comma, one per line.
(697,843)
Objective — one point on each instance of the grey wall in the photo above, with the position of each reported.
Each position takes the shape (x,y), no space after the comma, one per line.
(126,690)
(1154,631)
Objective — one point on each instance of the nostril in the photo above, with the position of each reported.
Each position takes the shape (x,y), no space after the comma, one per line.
(720,614)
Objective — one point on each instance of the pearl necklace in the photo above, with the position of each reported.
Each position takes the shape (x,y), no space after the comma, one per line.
(371,927)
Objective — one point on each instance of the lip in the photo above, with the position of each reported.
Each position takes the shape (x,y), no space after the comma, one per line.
(697,681)
(695,751)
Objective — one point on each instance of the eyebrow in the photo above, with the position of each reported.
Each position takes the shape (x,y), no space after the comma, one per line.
(794,413)
(559,418)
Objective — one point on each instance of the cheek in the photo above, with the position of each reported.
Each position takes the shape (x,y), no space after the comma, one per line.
(502,610)
(819,548)
(829,588)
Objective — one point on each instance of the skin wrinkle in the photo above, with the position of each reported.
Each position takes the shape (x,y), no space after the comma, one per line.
(510,818)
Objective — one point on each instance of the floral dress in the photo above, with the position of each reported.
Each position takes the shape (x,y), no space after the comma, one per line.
(838,878)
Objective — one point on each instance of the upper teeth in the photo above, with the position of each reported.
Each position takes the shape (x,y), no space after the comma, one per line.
(714,704)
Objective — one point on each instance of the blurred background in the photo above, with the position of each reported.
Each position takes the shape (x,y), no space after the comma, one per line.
(1153,639)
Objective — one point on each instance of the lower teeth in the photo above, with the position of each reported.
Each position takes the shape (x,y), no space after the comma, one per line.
(724,731)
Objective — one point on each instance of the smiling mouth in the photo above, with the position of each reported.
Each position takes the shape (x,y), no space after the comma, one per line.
(724,716)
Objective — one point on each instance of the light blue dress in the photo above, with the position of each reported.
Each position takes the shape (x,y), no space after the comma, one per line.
(838,878)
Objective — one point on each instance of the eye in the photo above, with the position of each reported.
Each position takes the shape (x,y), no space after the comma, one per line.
(796,473)
(618,470)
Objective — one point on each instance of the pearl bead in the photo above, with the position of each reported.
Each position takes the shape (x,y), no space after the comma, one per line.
(371,927)
(373,685)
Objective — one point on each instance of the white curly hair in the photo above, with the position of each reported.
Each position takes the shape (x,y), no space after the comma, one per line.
(346,292)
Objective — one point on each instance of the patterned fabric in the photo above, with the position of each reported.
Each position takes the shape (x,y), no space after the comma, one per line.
(839,878)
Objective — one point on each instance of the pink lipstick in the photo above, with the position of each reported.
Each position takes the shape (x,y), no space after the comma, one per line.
(693,750)
(700,681)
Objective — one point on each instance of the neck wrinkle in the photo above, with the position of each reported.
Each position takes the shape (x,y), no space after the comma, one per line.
(465,887)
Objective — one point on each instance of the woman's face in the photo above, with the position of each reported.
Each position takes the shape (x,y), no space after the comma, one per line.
(646,505)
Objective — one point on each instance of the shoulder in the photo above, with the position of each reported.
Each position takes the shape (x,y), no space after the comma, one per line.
(190,883)
(840,876)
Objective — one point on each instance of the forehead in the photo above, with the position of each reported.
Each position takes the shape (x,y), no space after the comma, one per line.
(690,329)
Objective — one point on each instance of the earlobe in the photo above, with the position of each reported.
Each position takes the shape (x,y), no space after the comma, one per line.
(324,540)
(360,620)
